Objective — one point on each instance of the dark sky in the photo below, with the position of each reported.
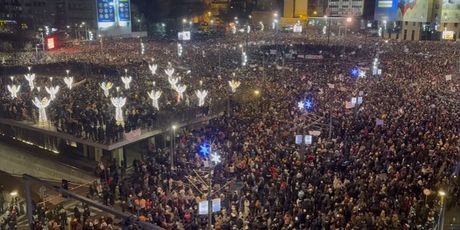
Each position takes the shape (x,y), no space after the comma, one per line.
(156,10)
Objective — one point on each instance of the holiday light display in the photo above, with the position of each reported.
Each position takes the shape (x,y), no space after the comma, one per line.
(41,105)
(234,85)
(153,68)
(14,89)
(118,102)
(201,94)
(126,81)
(169,72)
(180,89)
(173,82)
(155,95)
(30,78)
(106,86)
(68,82)
(52,91)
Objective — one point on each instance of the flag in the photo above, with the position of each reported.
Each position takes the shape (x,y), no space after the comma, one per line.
(378,122)
(349,105)
(449,77)
(331,86)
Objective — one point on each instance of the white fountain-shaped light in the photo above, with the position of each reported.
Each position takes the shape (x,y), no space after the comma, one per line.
(201,94)
(68,82)
(106,86)
(234,85)
(118,102)
(155,95)
(153,68)
(180,89)
(173,82)
(14,89)
(52,91)
(126,81)
(30,78)
(41,105)
(169,71)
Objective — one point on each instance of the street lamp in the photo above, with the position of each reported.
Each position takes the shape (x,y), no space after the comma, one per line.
(171,156)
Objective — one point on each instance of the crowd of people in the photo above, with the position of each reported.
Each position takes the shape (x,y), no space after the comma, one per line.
(374,165)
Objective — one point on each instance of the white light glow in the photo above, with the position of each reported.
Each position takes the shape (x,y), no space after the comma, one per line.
(14,89)
(155,95)
(41,105)
(201,94)
(52,91)
(118,102)
(106,86)
(153,68)
(30,78)
(215,158)
(180,89)
(126,81)
(234,85)
(68,82)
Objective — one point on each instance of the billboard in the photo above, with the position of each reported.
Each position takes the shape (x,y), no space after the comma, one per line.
(415,10)
(184,35)
(386,10)
(113,17)
(450,11)
(403,10)
(124,11)
(448,35)
(105,11)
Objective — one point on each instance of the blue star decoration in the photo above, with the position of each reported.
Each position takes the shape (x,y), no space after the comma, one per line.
(355,72)
(308,104)
(204,150)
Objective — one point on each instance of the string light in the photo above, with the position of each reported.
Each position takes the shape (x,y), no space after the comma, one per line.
(14,89)
(52,91)
(201,94)
(180,89)
(106,86)
(126,81)
(234,85)
(30,78)
(153,68)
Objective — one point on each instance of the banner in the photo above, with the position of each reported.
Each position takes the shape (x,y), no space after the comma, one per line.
(124,11)
(378,122)
(132,135)
(314,57)
(105,11)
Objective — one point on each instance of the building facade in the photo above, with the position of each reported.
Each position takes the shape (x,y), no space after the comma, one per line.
(345,8)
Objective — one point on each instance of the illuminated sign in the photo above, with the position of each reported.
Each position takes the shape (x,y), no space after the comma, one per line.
(184,35)
(124,11)
(386,10)
(297,28)
(105,11)
(50,43)
(448,35)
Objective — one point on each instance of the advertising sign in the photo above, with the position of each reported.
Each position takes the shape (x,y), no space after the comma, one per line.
(297,28)
(450,11)
(203,206)
(184,35)
(415,10)
(124,11)
(448,35)
(105,11)
(386,10)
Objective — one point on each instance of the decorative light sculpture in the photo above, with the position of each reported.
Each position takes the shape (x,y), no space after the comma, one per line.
(118,102)
(179,50)
(30,78)
(169,72)
(234,85)
(262,27)
(41,105)
(215,158)
(153,68)
(52,91)
(201,94)
(173,82)
(106,86)
(180,89)
(14,89)
(155,95)
(126,81)
(68,82)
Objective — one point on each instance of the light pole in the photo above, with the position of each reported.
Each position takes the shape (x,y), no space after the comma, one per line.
(349,20)
(442,194)
(328,28)
(171,156)
(214,159)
